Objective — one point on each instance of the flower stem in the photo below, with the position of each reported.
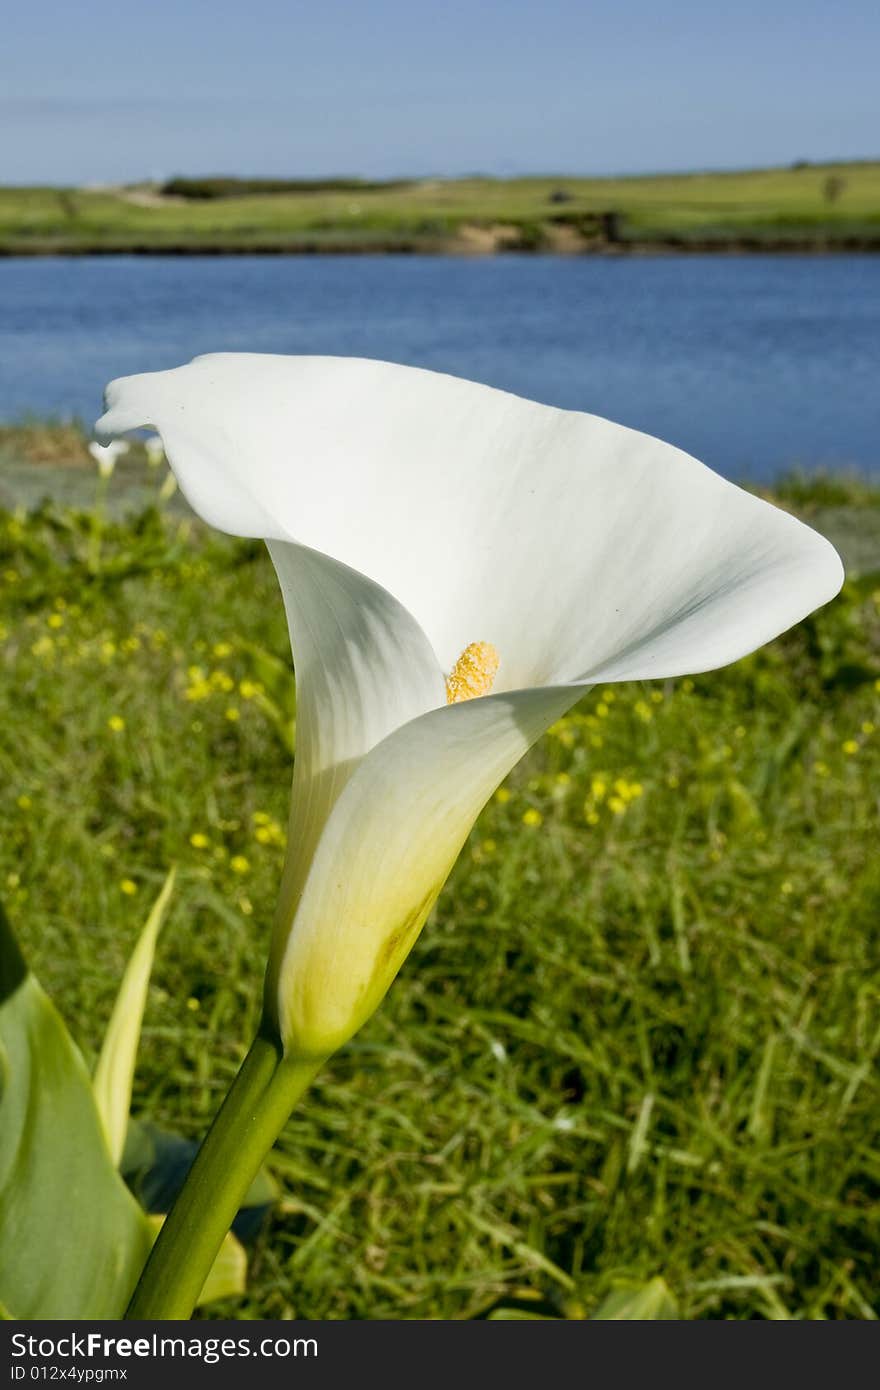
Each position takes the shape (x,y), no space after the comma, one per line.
(96,526)
(245,1127)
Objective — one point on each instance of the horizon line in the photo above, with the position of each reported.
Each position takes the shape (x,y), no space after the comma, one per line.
(793,165)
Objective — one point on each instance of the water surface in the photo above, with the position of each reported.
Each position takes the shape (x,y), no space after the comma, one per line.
(756,364)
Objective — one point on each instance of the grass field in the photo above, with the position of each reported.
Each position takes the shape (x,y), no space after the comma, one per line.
(639,1036)
(815,205)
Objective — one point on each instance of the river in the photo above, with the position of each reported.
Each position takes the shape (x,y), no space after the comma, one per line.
(756,364)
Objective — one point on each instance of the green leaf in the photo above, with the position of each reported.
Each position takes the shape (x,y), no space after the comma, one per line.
(114,1073)
(155,1164)
(638,1303)
(72,1238)
(518,1315)
(228,1274)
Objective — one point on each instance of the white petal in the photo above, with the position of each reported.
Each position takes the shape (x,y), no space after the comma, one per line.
(579,548)
(363,668)
(386,850)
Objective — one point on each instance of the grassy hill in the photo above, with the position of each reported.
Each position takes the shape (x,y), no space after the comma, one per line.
(809,206)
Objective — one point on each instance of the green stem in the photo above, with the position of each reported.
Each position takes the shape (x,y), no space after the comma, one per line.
(96,532)
(245,1127)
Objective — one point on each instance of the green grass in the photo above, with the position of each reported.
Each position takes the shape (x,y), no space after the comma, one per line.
(639,1035)
(759,207)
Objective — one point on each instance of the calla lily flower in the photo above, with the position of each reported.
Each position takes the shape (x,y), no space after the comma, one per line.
(105,455)
(154,449)
(458,567)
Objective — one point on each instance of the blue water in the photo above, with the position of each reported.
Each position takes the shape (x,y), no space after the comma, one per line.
(755,364)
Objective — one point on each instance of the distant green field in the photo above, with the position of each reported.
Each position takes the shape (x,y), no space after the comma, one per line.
(825,206)
(639,1036)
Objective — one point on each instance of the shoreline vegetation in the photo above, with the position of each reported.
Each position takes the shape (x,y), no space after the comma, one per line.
(805,208)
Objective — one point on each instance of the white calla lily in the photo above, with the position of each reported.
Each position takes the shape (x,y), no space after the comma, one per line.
(410,516)
(154,449)
(105,455)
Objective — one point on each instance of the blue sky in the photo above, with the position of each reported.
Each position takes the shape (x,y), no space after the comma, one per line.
(114,91)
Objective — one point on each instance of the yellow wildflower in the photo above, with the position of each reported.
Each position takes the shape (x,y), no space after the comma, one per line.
(532,817)
(561,730)
(198,840)
(268,831)
(116,723)
(198,688)
(128,887)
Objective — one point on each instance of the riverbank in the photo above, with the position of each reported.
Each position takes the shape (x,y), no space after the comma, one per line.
(805,208)
(455,246)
